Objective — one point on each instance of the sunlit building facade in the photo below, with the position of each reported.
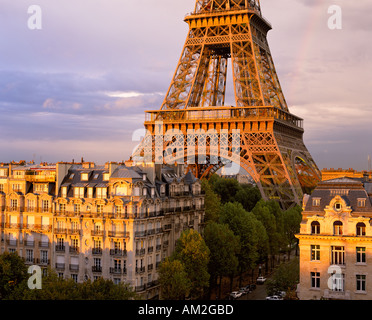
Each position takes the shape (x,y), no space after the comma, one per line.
(336,242)
(86,221)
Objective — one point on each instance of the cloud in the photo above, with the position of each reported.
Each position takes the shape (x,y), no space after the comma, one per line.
(85,80)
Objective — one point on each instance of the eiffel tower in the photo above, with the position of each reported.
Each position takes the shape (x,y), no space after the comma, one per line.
(272,151)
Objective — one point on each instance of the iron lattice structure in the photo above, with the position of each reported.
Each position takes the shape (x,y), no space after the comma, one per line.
(271,150)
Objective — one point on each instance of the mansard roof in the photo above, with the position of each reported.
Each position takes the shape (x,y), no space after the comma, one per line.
(350,190)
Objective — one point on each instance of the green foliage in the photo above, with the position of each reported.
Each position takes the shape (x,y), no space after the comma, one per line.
(193,253)
(291,220)
(224,247)
(174,281)
(230,190)
(271,217)
(212,203)
(245,225)
(248,196)
(285,278)
(14,277)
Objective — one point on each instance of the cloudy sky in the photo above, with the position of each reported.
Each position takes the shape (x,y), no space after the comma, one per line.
(79,87)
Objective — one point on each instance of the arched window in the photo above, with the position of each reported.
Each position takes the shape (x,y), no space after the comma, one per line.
(315,227)
(337,228)
(360,229)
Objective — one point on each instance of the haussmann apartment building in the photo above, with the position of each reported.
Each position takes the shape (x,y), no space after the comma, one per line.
(116,221)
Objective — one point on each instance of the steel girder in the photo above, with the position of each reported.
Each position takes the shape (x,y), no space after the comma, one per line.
(271,139)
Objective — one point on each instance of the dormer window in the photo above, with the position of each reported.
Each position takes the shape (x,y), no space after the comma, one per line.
(78,192)
(64,192)
(361,203)
(72,175)
(84,177)
(316,202)
(106,176)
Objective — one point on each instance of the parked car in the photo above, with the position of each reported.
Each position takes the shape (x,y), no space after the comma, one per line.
(252,287)
(243,290)
(235,294)
(274,298)
(247,288)
(261,280)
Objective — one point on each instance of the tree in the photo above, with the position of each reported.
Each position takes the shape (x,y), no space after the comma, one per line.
(265,212)
(174,282)
(248,196)
(292,220)
(193,253)
(56,288)
(212,203)
(285,278)
(224,247)
(14,279)
(13,276)
(225,188)
(245,225)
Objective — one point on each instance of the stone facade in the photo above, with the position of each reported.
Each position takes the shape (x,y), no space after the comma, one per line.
(336,242)
(115,221)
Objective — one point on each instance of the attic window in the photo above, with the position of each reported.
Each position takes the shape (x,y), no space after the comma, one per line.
(316,202)
(361,203)
(84,177)
(337,206)
(106,176)
(72,175)
(96,176)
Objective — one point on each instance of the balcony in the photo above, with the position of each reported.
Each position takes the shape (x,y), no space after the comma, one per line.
(140,288)
(60,266)
(140,270)
(44,244)
(60,231)
(60,248)
(118,252)
(97,269)
(12,225)
(150,267)
(118,271)
(75,232)
(74,267)
(158,247)
(98,233)
(139,234)
(150,249)
(118,234)
(30,260)
(44,261)
(140,252)
(150,232)
(97,251)
(74,250)
(30,244)
(167,227)
(12,243)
